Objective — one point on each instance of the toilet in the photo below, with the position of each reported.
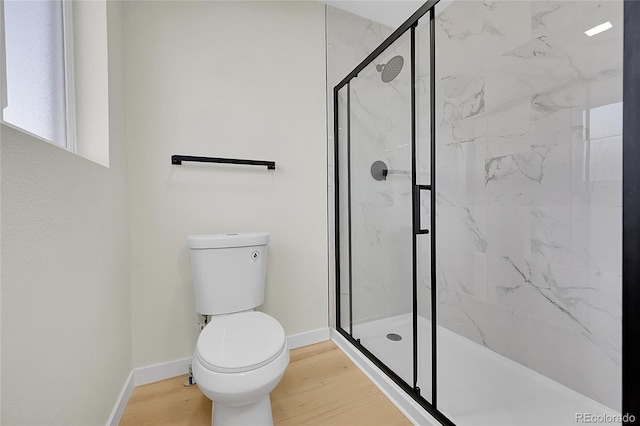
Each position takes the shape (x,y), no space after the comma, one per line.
(241,354)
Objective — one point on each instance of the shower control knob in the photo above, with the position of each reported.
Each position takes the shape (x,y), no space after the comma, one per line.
(379,170)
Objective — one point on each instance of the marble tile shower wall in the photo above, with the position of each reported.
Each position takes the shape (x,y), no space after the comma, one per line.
(380,130)
(529,182)
(529,166)
(381,210)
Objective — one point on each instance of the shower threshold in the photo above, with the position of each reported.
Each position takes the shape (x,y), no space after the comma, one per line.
(476,386)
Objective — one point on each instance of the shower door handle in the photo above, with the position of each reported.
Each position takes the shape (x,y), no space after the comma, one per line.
(416,207)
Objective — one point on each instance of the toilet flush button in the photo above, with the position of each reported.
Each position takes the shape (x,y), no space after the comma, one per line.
(255,256)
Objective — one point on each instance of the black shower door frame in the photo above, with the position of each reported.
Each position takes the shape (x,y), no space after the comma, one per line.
(630,203)
(411,389)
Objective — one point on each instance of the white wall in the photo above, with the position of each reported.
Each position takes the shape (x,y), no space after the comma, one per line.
(91,88)
(66,323)
(224,79)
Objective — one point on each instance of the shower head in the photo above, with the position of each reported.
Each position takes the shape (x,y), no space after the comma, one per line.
(391,69)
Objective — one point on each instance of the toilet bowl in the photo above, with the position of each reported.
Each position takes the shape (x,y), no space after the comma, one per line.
(241,354)
(239,359)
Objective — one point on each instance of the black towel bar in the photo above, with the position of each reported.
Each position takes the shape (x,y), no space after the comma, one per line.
(178,159)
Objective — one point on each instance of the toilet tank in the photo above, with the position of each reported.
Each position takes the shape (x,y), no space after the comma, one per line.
(228,271)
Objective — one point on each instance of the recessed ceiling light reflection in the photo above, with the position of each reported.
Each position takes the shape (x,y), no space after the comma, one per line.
(598,29)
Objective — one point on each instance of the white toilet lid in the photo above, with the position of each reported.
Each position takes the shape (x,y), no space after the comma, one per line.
(240,342)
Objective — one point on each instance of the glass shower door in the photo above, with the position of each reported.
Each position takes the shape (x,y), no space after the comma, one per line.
(424,260)
(529,162)
(380,205)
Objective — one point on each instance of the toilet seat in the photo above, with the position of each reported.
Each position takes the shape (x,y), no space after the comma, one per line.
(240,342)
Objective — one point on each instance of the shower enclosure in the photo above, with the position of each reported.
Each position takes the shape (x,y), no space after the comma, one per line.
(478,210)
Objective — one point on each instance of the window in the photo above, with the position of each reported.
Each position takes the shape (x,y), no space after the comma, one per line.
(38,84)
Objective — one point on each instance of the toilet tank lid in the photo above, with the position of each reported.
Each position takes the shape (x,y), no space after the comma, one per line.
(210,241)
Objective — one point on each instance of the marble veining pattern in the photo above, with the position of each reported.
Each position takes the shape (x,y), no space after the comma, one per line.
(528,150)
(529,164)
(381,210)
(529,182)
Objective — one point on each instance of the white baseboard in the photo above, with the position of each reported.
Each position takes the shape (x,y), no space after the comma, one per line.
(308,338)
(121,402)
(142,376)
(165,370)
(411,409)
(154,373)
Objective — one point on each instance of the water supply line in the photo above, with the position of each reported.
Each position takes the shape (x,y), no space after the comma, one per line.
(202,323)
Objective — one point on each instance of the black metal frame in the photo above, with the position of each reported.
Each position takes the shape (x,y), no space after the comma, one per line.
(178,159)
(432,111)
(412,390)
(631,212)
(416,228)
(412,21)
(349,203)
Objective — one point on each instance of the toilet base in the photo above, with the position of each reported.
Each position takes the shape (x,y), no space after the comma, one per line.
(257,413)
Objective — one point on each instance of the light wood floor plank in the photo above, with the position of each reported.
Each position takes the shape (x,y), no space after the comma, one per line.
(320,387)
